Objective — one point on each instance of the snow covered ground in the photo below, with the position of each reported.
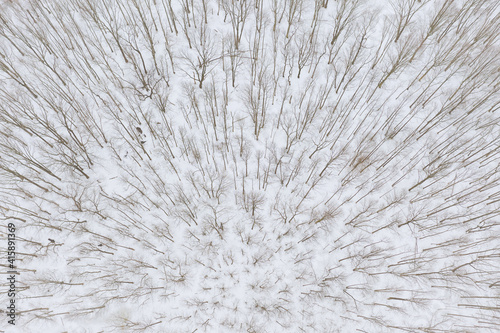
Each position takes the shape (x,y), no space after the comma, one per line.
(251,165)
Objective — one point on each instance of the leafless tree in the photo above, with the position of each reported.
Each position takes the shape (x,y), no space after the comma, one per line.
(238,11)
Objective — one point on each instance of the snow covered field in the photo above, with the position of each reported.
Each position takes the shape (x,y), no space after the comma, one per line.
(250,165)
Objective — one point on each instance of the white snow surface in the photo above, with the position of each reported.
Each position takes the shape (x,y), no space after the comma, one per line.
(152,193)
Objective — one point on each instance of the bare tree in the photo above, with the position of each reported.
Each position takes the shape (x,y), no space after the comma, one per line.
(238,11)
(405,10)
(203,59)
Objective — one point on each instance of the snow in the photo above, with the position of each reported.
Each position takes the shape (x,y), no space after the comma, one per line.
(150,194)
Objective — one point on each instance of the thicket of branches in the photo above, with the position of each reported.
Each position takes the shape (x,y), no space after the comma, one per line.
(251,165)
